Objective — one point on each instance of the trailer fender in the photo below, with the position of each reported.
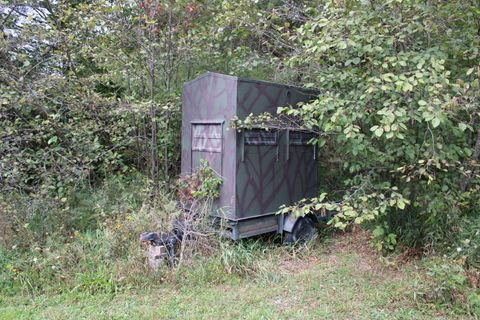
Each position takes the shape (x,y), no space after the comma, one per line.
(290,220)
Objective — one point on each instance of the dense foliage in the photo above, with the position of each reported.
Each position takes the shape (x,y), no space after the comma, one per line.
(202,184)
(399,105)
(90,90)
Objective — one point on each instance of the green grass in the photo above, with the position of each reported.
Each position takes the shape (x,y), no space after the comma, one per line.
(340,280)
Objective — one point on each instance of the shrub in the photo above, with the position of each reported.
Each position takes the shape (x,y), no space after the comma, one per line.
(203,184)
(397,112)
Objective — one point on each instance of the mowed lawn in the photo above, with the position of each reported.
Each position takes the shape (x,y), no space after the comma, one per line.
(340,280)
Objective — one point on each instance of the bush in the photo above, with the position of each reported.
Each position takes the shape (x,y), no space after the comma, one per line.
(396,118)
(202,184)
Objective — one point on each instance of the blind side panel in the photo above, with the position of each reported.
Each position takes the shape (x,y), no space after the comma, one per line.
(211,98)
(214,160)
(256,189)
(299,178)
(295,174)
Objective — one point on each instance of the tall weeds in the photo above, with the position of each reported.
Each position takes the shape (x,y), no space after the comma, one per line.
(88,243)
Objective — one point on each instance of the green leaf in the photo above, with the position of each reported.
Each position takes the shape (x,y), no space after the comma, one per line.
(420,64)
(52,140)
(407,87)
(378,232)
(435,122)
(330,206)
(378,132)
(321,197)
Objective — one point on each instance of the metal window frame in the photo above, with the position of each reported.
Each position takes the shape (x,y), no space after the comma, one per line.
(211,122)
(243,141)
(290,144)
(301,142)
(206,122)
(261,143)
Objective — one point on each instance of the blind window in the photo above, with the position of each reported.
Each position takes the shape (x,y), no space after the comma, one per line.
(207,137)
(300,138)
(258,137)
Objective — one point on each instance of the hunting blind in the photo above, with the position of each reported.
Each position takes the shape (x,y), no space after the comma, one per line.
(261,169)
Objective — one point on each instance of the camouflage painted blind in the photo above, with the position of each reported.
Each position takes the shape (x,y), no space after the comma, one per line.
(259,137)
(207,137)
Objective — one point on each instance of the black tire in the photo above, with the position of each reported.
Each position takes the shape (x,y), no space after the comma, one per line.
(304,230)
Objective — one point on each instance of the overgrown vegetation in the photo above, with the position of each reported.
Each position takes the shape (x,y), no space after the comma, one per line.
(90,130)
(399,103)
(203,184)
(194,224)
(281,284)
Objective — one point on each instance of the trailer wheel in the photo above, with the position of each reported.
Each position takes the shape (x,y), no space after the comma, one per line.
(303,231)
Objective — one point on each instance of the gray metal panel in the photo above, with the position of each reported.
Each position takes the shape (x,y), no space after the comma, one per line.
(211,99)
